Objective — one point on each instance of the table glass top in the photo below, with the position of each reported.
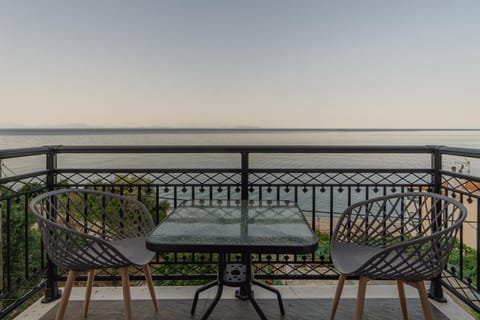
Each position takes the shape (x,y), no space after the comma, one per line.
(256,226)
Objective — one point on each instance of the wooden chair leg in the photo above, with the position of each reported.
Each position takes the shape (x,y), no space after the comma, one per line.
(427,311)
(127,300)
(88,292)
(66,295)
(403,301)
(420,286)
(338,293)
(148,277)
(362,288)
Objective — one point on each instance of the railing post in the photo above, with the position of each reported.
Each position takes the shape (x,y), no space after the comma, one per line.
(244,181)
(51,289)
(437,166)
(1,237)
(241,293)
(51,167)
(436,291)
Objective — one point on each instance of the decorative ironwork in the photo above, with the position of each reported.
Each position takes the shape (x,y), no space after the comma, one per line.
(462,289)
(180,177)
(20,185)
(341,178)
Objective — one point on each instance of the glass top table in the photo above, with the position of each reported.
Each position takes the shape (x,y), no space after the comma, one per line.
(234,226)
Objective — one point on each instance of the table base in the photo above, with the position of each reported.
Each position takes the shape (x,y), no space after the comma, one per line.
(245,292)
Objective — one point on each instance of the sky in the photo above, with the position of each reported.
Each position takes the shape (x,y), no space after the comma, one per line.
(249,63)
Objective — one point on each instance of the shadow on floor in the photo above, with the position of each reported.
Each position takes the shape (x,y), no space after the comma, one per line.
(232,309)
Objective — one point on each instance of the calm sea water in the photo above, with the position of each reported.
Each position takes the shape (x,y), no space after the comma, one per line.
(32,138)
(28,138)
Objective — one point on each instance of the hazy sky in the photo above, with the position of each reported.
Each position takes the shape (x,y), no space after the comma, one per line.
(314,64)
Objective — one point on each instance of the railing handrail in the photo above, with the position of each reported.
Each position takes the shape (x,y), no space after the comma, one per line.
(446,150)
(460,151)
(23,152)
(242,148)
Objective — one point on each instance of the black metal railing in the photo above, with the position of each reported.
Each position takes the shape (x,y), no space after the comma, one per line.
(322,191)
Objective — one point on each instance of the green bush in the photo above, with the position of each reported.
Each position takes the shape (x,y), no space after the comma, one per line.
(470,263)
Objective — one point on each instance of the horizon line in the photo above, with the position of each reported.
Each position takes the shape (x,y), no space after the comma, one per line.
(238,129)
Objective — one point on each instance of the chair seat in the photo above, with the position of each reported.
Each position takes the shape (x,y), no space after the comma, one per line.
(134,250)
(349,257)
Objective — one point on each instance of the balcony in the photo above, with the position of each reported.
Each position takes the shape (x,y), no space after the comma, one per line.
(235,172)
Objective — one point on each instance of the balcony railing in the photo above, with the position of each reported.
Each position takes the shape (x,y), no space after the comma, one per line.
(324,180)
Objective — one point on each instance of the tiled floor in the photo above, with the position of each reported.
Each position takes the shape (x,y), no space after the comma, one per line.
(301,302)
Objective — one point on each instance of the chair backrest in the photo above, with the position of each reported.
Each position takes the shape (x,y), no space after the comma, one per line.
(76,226)
(415,231)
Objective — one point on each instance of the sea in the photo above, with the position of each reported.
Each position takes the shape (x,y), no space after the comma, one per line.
(24,138)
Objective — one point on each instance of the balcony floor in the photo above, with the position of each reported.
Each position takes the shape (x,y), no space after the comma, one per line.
(301,302)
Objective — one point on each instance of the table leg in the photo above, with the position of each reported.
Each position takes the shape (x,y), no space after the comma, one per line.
(244,291)
(269,288)
(197,293)
(214,302)
(222,260)
(254,303)
(249,291)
